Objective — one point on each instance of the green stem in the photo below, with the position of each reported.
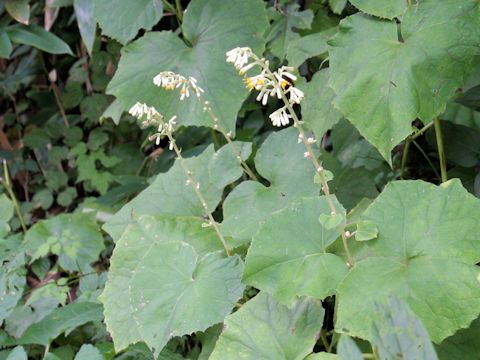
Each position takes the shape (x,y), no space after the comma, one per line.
(421,131)
(441,150)
(178,4)
(406,148)
(426,158)
(8,186)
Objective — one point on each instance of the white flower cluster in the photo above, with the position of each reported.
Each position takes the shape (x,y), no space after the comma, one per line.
(171,81)
(278,83)
(153,117)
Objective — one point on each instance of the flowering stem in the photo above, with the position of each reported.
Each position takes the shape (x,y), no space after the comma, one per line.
(311,155)
(226,135)
(196,187)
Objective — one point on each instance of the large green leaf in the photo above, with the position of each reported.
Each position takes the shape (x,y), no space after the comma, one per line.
(75,238)
(287,257)
(62,320)
(86,22)
(251,203)
(170,194)
(384,9)
(318,112)
(398,333)
(38,37)
(210,28)
(265,329)
(425,253)
(384,80)
(168,278)
(121,19)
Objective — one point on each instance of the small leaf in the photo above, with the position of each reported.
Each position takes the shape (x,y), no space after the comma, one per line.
(347,349)
(331,221)
(18,353)
(5,45)
(6,213)
(366,230)
(89,352)
(19,10)
(337,6)
(38,37)
(265,329)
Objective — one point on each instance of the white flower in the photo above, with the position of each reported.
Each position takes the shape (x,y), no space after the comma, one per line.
(285,71)
(168,80)
(296,95)
(280,117)
(138,110)
(239,56)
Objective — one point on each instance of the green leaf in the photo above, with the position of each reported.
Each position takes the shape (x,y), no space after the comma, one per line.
(66,197)
(303,48)
(462,115)
(322,356)
(331,221)
(398,333)
(205,24)
(170,194)
(424,254)
(384,9)
(121,19)
(89,352)
(366,230)
(337,6)
(19,10)
(5,44)
(38,37)
(380,78)
(464,343)
(6,213)
(168,278)
(281,33)
(43,199)
(250,204)
(114,112)
(318,112)
(347,349)
(266,329)
(86,21)
(18,353)
(62,320)
(75,238)
(287,257)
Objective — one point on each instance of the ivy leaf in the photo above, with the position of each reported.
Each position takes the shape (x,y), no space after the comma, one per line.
(424,254)
(194,286)
(398,333)
(250,204)
(202,55)
(121,19)
(266,329)
(318,112)
(282,30)
(388,10)
(169,194)
(62,320)
(75,238)
(379,75)
(287,257)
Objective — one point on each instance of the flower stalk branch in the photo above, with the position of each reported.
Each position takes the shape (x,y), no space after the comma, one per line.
(279,84)
(166,129)
(169,80)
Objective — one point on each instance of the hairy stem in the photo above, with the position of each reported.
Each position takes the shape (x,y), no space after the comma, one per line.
(311,155)
(196,187)
(441,150)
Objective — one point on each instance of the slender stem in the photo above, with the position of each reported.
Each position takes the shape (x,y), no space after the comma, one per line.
(8,186)
(178,4)
(311,155)
(421,131)
(56,92)
(441,150)
(426,158)
(218,126)
(196,187)
(323,337)
(406,148)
